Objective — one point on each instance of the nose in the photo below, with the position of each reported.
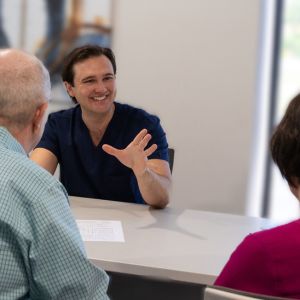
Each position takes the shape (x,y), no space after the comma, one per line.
(100,87)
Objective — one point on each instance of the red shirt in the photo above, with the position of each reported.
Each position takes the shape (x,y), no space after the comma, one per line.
(266,262)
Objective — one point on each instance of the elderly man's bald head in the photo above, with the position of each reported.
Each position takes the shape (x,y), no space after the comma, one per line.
(24,85)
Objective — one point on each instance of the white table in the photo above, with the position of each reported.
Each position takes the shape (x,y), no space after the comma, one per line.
(183,245)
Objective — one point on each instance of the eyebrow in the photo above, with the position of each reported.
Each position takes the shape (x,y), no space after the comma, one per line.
(109,74)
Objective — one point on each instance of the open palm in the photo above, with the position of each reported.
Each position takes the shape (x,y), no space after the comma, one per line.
(134,156)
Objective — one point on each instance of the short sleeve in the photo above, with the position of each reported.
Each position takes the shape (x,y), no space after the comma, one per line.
(159,138)
(50,140)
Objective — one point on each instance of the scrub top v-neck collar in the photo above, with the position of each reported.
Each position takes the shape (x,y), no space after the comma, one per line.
(110,135)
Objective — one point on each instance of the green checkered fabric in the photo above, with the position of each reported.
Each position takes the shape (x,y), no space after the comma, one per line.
(41,252)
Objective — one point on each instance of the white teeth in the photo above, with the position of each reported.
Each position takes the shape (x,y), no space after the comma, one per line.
(99,98)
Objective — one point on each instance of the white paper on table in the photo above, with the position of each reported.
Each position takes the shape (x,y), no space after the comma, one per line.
(101,230)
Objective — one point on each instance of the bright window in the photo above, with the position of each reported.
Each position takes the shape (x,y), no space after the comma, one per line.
(283,205)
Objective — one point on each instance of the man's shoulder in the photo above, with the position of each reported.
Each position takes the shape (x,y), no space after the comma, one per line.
(63,114)
(24,180)
(134,113)
(35,174)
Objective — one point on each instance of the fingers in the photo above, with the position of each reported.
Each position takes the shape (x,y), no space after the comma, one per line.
(142,139)
(150,150)
(138,144)
(144,142)
(139,137)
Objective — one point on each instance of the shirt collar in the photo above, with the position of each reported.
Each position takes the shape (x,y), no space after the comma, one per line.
(9,142)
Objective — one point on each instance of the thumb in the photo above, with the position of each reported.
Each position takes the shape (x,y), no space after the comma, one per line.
(110,149)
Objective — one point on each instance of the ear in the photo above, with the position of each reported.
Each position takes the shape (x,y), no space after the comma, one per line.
(69,88)
(38,117)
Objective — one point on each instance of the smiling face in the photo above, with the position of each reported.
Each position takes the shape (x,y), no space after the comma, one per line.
(94,85)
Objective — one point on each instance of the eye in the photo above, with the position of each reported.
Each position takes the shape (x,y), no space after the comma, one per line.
(88,81)
(109,77)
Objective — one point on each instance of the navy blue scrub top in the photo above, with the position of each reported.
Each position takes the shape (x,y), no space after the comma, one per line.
(85,169)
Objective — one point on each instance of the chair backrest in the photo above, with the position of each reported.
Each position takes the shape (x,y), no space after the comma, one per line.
(221,293)
(171,158)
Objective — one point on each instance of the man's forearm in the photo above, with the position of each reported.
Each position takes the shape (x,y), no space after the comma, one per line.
(155,188)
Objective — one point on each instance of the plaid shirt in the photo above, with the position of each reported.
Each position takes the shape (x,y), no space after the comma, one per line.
(41,252)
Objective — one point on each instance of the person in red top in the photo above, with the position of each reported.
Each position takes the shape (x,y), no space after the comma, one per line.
(268,262)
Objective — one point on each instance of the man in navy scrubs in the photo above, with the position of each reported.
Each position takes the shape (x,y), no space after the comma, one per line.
(105,149)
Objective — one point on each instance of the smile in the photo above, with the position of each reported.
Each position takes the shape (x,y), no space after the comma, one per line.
(99,98)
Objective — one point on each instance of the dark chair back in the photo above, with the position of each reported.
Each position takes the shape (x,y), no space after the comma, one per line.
(171,158)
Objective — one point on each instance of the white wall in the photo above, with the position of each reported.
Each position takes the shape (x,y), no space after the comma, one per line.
(194,64)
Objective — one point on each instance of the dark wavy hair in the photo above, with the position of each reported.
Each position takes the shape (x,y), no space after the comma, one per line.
(80,54)
(285,143)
